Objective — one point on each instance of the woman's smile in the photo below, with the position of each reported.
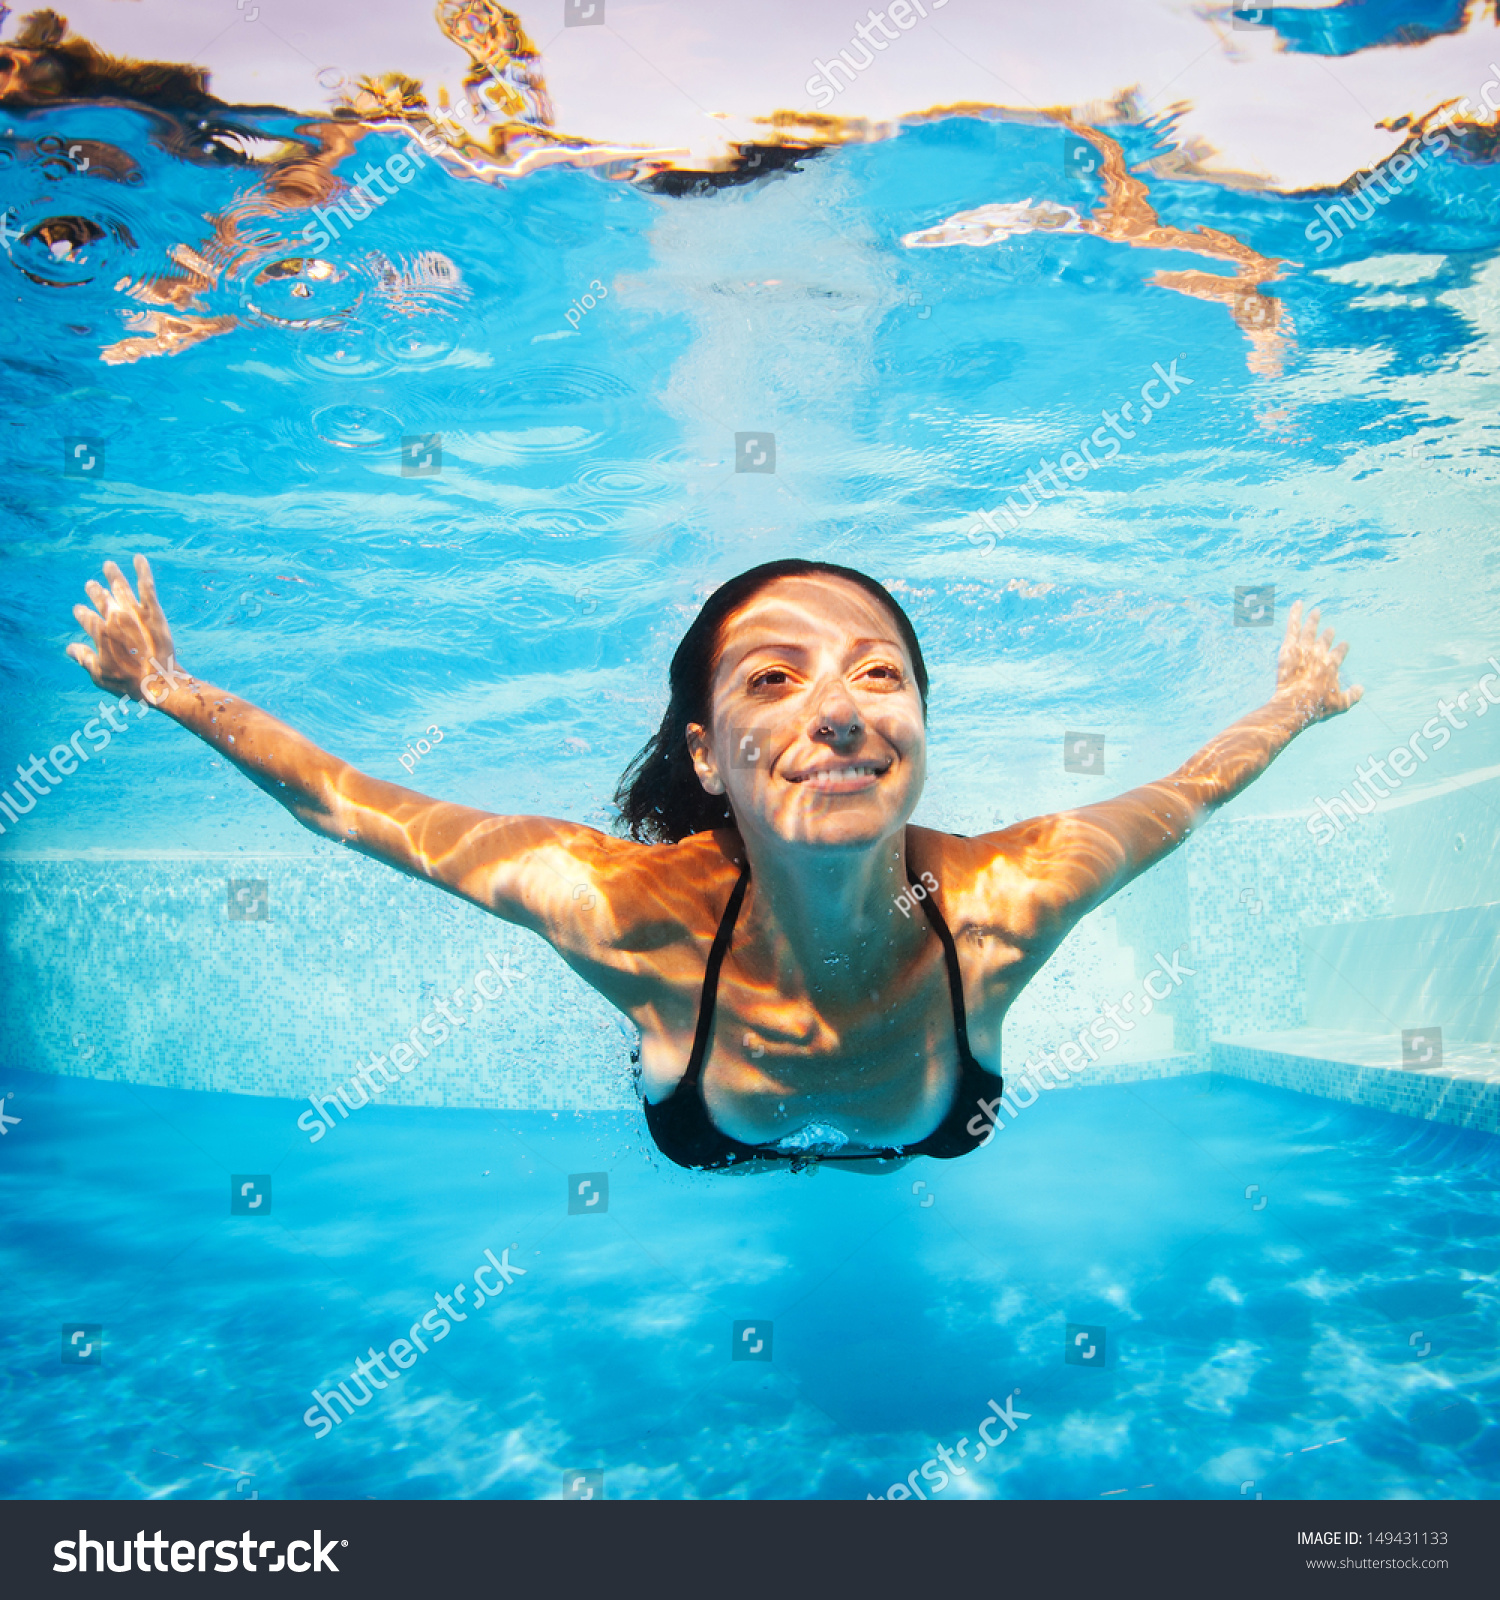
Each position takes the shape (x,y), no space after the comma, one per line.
(841,777)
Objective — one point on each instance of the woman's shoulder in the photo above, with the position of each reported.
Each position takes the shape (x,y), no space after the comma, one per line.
(705,867)
(718,853)
(984,882)
(687,883)
(963,852)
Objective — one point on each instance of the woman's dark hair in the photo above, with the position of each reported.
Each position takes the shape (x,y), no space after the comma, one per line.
(660,799)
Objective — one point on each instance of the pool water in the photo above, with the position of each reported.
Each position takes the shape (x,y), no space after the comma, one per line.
(405,488)
(523,588)
(1335,1341)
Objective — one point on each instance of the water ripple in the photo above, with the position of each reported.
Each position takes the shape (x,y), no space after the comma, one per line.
(353,427)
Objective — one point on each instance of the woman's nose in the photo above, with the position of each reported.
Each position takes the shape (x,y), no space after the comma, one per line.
(836,716)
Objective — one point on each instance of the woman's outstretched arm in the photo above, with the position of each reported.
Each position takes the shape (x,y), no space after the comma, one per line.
(1073,860)
(536,871)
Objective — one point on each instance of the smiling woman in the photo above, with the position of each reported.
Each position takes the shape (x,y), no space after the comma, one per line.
(790,1007)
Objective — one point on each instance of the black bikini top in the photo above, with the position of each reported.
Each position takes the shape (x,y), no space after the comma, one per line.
(685,1133)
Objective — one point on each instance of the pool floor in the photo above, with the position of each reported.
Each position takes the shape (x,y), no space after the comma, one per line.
(1188,1288)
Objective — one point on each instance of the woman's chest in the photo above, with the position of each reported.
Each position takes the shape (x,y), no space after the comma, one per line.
(879,1066)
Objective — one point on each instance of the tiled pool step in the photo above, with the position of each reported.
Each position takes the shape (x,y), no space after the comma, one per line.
(1366,1069)
(1180,1064)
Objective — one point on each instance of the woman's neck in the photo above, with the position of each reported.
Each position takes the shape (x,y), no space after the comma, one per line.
(827,919)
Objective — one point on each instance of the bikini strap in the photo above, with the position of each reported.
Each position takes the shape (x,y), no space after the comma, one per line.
(955,973)
(711,983)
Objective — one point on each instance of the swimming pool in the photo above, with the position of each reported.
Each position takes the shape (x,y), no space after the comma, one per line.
(1333,1342)
(444,490)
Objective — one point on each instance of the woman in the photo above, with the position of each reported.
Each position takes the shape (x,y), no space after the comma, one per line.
(758,925)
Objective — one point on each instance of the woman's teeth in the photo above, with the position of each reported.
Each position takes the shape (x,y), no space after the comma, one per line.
(839,777)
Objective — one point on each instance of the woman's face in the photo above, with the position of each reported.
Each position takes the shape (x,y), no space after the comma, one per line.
(817,733)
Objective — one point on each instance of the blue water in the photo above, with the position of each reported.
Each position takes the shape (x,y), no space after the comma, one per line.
(1336,1340)
(1357,1305)
(529,596)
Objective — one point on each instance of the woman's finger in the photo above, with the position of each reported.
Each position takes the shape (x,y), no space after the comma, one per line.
(101,596)
(84,657)
(88,621)
(119,585)
(146,583)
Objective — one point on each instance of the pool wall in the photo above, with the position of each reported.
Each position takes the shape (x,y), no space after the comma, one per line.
(282,975)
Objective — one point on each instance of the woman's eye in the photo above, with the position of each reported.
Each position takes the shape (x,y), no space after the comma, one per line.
(883,672)
(772,677)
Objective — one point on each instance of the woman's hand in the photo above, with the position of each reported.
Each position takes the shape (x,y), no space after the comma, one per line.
(1307,670)
(132,642)
(1076,859)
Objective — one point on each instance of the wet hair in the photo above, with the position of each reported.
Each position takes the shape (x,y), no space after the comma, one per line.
(659,798)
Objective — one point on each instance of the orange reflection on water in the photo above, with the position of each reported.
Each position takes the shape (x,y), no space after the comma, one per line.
(1128,217)
(502,128)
